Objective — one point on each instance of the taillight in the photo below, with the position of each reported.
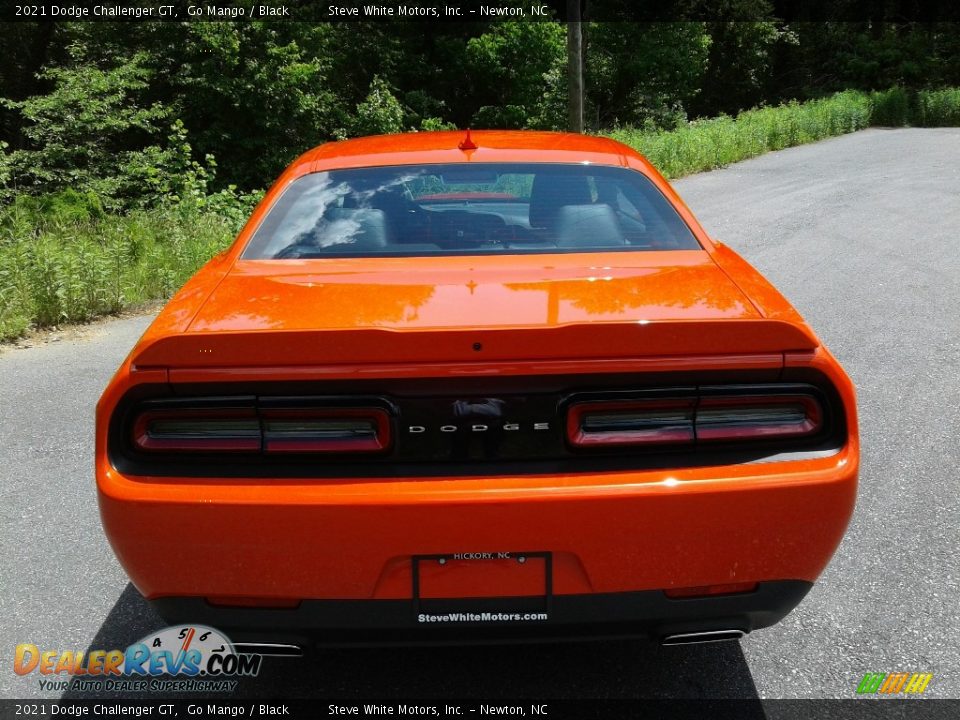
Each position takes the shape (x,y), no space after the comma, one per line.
(198,430)
(327,430)
(707,418)
(757,417)
(269,426)
(631,422)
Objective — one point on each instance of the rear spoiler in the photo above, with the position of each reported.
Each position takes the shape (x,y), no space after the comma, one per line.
(277,348)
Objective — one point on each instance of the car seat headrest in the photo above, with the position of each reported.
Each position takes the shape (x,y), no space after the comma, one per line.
(587,226)
(551,192)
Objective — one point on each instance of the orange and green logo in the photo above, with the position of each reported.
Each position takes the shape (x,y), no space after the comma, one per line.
(894,683)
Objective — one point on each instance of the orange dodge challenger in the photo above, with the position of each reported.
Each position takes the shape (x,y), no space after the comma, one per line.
(488,385)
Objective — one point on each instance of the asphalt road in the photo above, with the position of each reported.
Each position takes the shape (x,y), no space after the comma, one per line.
(860,232)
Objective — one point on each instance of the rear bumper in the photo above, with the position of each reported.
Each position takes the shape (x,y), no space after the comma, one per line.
(341,553)
(649,614)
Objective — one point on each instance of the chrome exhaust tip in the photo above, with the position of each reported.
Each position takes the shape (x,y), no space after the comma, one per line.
(269,649)
(696,638)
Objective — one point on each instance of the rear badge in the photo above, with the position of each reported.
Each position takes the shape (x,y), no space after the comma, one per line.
(480,427)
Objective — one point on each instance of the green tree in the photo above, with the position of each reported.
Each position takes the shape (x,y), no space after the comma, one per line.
(516,70)
(380,112)
(643,73)
(739,66)
(254,95)
(80,134)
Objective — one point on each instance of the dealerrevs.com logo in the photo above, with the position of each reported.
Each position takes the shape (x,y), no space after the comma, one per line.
(182,658)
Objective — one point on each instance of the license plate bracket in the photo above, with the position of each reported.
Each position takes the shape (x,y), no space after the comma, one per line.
(497,581)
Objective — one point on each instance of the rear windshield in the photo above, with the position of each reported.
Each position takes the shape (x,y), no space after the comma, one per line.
(469,209)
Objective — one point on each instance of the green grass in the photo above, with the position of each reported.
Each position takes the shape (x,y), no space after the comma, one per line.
(63,259)
(707,144)
(57,269)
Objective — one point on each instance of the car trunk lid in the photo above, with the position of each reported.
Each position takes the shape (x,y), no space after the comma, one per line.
(473,308)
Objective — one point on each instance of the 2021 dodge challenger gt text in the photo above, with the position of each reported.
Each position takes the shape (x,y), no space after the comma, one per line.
(499,384)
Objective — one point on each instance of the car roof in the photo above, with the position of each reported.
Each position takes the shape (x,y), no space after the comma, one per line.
(492,146)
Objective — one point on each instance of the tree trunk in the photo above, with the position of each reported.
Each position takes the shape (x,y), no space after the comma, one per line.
(574,68)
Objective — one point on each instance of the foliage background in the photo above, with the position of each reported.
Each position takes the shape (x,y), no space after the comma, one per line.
(131,152)
(136,112)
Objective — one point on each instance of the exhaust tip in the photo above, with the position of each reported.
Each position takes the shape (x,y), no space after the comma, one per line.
(269,649)
(697,638)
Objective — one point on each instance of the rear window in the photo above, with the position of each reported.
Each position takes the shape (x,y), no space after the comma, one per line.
(469,209)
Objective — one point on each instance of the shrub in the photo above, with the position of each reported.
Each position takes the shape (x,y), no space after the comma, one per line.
(938,108)
(890,108)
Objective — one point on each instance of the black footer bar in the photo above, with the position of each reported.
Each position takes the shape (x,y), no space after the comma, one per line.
(740,709)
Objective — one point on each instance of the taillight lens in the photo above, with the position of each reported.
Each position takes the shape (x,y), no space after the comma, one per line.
(198,430)
(327,430)
(691,420)
(631,422)
(757,417)
(256,429)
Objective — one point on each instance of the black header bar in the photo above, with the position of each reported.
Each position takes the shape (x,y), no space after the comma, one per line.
(894,11)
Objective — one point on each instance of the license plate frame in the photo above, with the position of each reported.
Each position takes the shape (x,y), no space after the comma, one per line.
(506,603)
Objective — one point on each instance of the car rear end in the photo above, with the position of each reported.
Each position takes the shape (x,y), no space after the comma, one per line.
(428,446)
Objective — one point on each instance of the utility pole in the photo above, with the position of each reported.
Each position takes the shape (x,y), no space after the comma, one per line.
(574,68)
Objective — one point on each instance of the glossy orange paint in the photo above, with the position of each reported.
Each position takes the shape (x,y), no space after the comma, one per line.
(302,538)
